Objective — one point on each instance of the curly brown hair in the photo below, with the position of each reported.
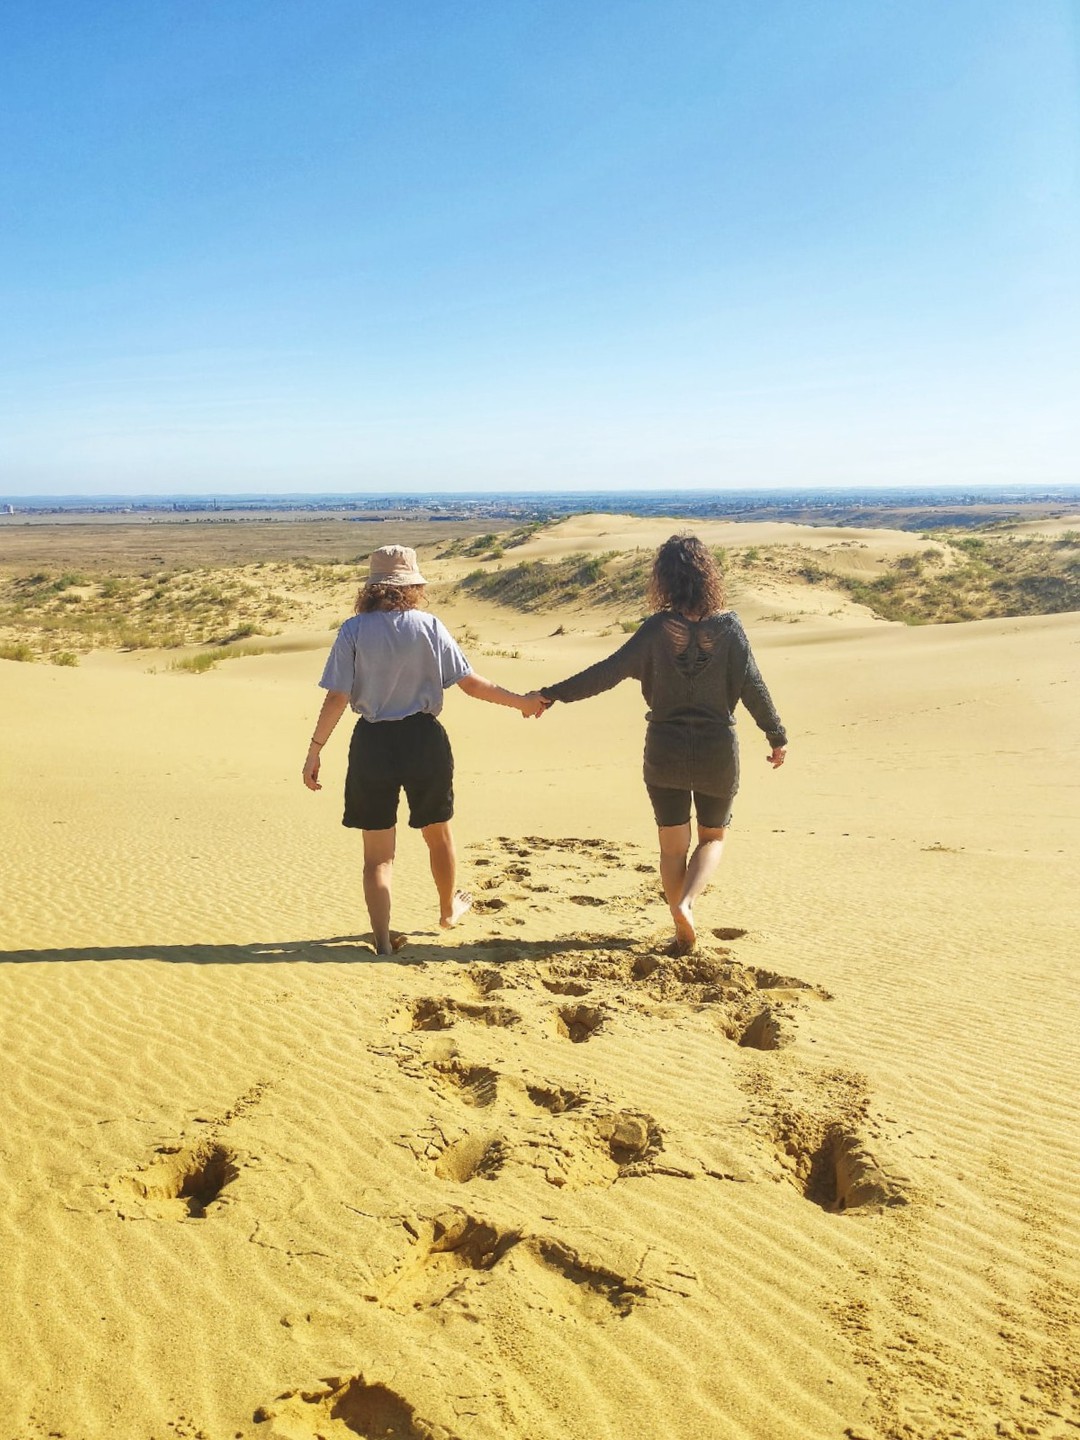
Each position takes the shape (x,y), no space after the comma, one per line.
(380,596)
(686,578)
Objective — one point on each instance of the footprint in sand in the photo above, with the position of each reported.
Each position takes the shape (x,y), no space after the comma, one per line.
(770,1029)
(476,1085)
(456,1256)
(182,1182)
(471,1157)
(440,1013)
(493,902)
(597,1149)
(485,979)
(362,1407)
(556,1099)
(564,985)
(632,1137)
(579,1023)
(834,1168)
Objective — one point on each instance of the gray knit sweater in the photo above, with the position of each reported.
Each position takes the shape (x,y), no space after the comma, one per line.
(692,673)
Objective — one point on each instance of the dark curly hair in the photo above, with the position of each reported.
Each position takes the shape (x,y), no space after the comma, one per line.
(380,596)
(686,578)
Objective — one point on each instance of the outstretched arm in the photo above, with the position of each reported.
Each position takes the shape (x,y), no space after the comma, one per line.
(333,707)
(480,689)
(625,663)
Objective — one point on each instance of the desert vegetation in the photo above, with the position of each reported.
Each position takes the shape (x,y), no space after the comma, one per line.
(491,546)
(204,660)
(992,575)
(49,614)
(960,576)
(58,614)
(612,578)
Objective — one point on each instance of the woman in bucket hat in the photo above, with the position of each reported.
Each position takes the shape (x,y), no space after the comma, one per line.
(391,663)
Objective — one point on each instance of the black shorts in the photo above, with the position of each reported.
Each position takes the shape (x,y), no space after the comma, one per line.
(386,756)
(672,807)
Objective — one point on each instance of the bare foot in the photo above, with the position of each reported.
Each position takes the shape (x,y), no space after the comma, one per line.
(685,933)
(397,940)
(460,905)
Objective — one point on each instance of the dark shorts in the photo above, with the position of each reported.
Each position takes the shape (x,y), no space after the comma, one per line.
(387,756)
(672,807)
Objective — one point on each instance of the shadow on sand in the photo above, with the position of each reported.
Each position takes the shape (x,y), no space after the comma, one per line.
(337,950)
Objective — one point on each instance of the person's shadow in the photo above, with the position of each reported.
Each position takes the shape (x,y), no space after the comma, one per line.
(336,949)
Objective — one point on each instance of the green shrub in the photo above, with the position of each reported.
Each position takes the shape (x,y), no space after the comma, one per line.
(241,633)
(16,652)
(65,657)
(198,664)
(207,659)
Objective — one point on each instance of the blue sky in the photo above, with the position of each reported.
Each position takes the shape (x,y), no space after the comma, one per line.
(385,245)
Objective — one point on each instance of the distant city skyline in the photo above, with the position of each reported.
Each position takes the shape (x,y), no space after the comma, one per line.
(700,499)
(583,247)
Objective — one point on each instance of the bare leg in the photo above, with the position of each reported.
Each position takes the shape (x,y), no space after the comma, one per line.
(453,904)
(674,847)
(379,848)
(701,868)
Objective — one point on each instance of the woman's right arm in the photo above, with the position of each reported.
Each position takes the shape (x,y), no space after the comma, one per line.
(333,707)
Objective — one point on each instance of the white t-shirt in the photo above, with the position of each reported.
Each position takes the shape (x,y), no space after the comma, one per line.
(394,663)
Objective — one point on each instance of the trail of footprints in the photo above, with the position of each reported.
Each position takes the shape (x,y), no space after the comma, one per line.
(491,1119)
(499,1119)
(579,1139)
(507,884)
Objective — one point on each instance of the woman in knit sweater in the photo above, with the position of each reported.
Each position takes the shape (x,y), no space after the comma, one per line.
(693,661)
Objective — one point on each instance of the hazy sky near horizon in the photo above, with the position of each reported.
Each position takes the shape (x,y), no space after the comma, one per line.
(522,244)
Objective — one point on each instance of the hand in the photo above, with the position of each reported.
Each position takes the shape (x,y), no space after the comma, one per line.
(776,758)
(311,769)
(533,705)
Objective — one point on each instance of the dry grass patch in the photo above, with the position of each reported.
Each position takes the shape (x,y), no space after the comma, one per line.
(961,576)
(979,577)
(49,614)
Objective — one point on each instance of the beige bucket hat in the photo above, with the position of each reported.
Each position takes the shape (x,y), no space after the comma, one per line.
(394,565)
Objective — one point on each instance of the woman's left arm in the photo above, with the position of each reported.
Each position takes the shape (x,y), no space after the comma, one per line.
(480,688)
(754,694)
(333,707)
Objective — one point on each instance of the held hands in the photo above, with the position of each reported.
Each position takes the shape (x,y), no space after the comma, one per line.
(776,758)
(533,705)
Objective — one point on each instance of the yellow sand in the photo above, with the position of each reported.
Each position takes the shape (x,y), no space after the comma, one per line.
(523,1181)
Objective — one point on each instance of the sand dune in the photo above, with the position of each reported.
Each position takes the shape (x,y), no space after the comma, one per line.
(537,1177)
